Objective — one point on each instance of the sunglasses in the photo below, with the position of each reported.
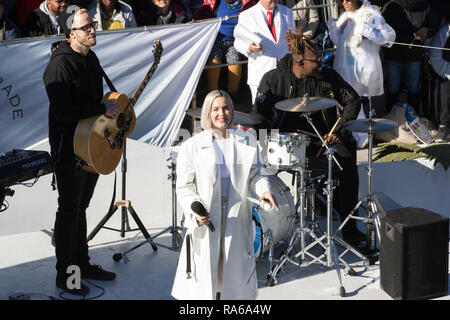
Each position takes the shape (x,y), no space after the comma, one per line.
(318,58)
(87,27)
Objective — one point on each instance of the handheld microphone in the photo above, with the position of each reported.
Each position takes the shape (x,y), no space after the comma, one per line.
(199,209)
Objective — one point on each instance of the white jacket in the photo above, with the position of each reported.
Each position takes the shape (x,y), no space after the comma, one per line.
(125,15)
(358,44)
(253,20)
(198,179)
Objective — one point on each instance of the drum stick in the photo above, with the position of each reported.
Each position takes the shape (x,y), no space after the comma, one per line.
(331,131)
(308,133)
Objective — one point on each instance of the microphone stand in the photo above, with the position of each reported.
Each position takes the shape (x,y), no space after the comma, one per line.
(173,229)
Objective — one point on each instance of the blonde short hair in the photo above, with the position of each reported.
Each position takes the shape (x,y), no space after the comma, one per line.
(205,119)
(81,11)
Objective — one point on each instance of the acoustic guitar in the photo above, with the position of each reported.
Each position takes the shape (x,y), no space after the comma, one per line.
(99,140)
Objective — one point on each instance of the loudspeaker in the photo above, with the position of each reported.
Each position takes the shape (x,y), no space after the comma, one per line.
(413,253)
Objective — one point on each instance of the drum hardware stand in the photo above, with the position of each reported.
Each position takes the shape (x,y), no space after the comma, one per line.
(312,204)
(305,194)
(125,206)
(301,191)
(311,191)
(268,237)
(332,258)
(372,204)
(306,115)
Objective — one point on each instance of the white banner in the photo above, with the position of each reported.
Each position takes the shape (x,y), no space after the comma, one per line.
(126,56)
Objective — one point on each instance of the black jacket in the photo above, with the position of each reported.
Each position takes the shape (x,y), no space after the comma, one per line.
(406,17)
(148,14)
(74,85)
(280,84)
(38,24)
(177,14)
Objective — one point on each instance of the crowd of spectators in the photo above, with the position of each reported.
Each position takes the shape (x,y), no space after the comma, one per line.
(34,18)
(414,22)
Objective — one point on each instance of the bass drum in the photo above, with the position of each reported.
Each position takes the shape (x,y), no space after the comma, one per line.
(278,224)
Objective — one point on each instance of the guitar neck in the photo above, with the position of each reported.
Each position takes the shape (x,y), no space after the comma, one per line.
(141,88)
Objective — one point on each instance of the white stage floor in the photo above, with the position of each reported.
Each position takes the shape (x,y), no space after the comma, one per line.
(28,262)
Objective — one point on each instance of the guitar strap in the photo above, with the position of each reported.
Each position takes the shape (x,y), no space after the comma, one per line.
(108,82)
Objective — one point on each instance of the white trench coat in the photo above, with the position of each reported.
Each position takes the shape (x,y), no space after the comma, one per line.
(198,179)
(358,36)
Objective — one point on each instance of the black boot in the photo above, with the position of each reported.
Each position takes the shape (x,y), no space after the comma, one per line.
(391,98)
(414,101)
(95,272)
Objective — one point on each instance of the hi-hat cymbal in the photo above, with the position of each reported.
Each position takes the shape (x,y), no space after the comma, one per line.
(305,104)
(370,125)
(241,118)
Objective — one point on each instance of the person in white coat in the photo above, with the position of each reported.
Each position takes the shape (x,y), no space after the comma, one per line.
(218,167)
(358,34)
(254,38)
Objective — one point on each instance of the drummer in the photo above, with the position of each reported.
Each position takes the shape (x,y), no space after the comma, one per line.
(299,73)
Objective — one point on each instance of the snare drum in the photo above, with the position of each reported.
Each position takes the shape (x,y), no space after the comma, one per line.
(287,149)
(277,223)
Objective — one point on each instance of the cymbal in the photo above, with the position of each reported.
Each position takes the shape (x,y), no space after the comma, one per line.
(241,118)
(370,125)
(305,104)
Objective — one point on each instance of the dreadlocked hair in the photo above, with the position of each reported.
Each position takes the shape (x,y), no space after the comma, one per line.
(298,42)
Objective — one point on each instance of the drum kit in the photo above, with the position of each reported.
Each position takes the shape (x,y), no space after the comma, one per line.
(287,152)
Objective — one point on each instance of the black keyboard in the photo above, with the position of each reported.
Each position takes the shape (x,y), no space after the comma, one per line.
(21,165)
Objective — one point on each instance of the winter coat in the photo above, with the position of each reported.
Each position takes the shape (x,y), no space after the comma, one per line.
(441,65)
(281,84)
(125,15)
(358,44)
(198,179)
(8,30)
(177,15)
(253,21)
(406,17)
(39,23)
(74,86)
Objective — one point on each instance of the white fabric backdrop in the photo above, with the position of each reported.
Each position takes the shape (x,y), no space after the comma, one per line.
(126,55)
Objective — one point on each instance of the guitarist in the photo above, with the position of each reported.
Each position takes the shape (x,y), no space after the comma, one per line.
(74,84)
